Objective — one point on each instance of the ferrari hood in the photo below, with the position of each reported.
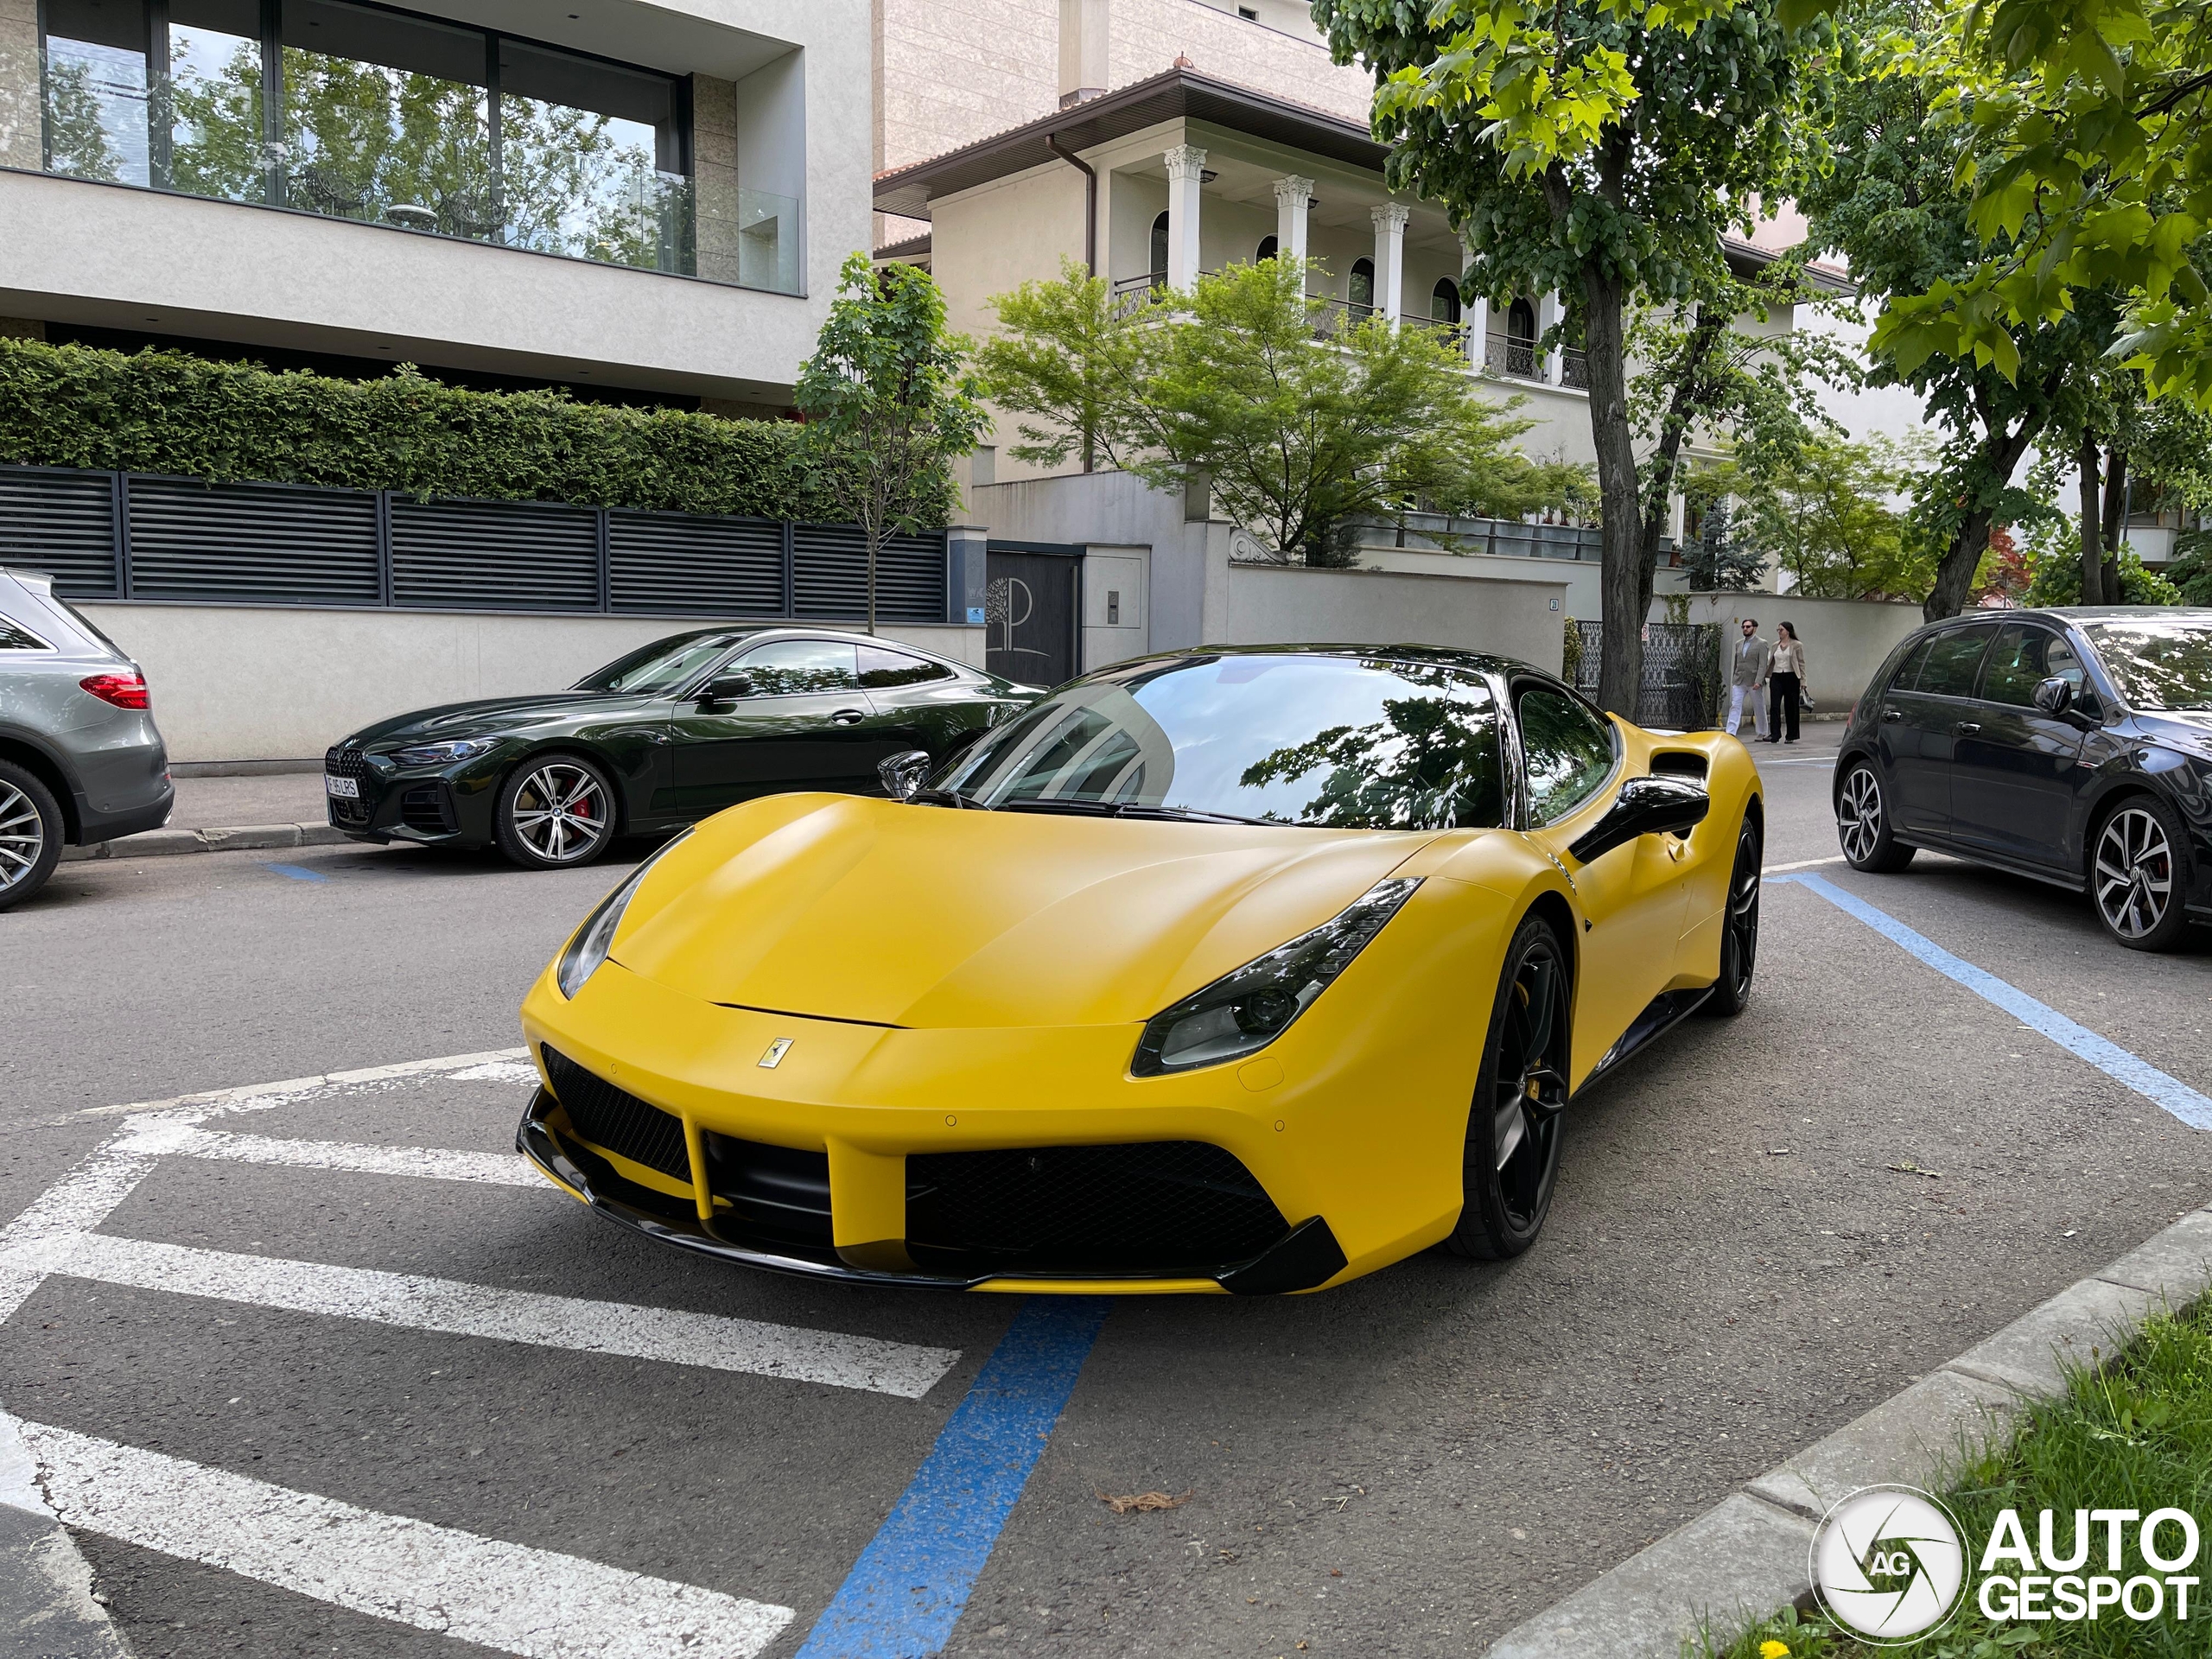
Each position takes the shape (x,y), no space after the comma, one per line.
(872,911)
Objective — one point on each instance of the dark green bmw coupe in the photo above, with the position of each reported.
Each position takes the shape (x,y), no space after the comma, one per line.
(676,730)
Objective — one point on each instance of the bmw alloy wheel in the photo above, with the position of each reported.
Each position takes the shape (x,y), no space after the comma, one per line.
(2135,874)
(561,812)
(22,836)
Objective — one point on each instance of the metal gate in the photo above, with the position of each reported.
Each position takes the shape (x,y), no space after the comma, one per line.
(1681,688)
(1031,609)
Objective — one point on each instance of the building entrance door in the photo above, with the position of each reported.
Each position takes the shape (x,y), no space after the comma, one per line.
(1030,614)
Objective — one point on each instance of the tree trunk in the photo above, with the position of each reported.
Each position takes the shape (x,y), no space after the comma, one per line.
(2093,557)
(1625,580)
(2115,521)
(875,540)
(2001,453)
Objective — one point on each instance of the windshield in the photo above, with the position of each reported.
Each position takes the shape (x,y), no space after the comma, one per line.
(662,665)
(1295,739)
(2158,665)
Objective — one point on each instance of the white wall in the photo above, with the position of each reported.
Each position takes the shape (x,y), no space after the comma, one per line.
(283,684)
(1846,639)
(1261,604)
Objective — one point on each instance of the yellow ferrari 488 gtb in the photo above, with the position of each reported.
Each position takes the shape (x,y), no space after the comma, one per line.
(1246,969)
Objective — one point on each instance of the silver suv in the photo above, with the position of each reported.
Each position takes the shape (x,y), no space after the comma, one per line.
(81,759)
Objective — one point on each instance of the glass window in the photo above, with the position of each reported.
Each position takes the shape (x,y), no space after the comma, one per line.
(1443,300)
(592,161)
(14,638)
(1283,739)
(2158,665)
(1361,290)
(881,669)
(1569,752)
(786,666)
(1268,247)
(1952,660)
(209,132)
(95,89)
(664,666)
(386,119)
(1908,674)
(1160,245)
(2023,658)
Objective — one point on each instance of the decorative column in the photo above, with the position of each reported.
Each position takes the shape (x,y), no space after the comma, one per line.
(1475,314)
(1186,165)
(1548,311)
(1390,259)
(1293,199)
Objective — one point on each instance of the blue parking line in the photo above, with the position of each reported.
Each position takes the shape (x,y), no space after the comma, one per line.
(2115,1062)
(297,871)
(911,1583)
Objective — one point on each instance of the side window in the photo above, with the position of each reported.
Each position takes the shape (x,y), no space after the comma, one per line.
(882,669)
(1952,660)
(14,637)
(1908,673)
(1567,750)
(784,667)
(2020,662)
(2063,664)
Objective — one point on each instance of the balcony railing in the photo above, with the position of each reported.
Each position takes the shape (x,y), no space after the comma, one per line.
(1513,356)
(1575,368)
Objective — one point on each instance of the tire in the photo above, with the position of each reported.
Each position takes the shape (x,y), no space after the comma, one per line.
(1513,1123)
(1740,929)
(2139,874)
(1862,823)
(555,812)
(31,831)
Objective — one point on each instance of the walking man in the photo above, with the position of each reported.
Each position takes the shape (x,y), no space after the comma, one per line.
(1747,680)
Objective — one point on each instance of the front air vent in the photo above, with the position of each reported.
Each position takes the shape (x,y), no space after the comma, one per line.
(617,1121)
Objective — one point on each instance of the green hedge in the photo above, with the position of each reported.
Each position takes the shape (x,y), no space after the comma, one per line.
(168,413)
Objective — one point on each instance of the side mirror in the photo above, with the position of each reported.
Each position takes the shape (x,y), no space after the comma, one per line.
(728,689)
(903,772)
(2054,696)
(1645,806)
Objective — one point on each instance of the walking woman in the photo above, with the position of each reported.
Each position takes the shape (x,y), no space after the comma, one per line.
(1785,679)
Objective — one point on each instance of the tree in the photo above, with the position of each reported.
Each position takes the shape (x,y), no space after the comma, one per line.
(1825,516)
(887,403)
(1302,426)
(1716,560)
(1599,148)
(1891,204)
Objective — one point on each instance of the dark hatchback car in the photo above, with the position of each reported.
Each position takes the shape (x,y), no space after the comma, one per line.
(673,731)
(2072,746)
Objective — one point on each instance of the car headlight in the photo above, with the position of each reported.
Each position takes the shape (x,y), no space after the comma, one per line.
(439,754)
(1242,1012)
(580,960)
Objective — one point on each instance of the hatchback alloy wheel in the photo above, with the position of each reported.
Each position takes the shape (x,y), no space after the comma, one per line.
(2134,874)
(561,812)
(1858,815)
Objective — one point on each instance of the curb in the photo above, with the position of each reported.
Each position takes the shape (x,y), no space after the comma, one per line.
(161,843)
(1748,1556)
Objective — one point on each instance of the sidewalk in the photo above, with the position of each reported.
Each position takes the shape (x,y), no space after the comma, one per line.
(215,815)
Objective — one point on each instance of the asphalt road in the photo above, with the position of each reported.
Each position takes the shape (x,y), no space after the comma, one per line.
(1735,1265)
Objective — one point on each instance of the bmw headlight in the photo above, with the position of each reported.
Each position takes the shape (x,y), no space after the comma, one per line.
(440,754)
(1242,1012)
(596,936)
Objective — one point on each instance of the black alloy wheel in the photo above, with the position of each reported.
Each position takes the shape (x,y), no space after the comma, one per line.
(1739,928)
(2138,875)
(555,811)
(1862,823)
(30,834)
(1513,1126)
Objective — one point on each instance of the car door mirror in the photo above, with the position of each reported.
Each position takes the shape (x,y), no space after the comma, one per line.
(1645,806)
(903,772)
(728,689)
(2054,696)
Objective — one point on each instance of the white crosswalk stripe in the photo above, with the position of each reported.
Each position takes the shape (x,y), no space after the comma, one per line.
(500,1595)
(464,1309)
(436,1163)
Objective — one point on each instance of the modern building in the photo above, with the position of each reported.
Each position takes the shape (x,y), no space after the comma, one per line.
(645,200)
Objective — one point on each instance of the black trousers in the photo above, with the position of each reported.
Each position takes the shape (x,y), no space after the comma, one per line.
(1781,705)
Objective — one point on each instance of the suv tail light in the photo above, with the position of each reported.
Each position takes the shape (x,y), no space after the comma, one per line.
(124,690)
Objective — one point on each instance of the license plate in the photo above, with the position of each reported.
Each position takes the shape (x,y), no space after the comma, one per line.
(344,789)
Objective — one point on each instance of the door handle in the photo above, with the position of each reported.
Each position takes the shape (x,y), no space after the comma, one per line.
(1968,728)
(847,717)
(1893,714)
